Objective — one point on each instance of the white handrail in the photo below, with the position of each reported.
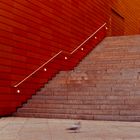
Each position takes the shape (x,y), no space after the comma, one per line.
(57,55)
(87,38)
(37,69)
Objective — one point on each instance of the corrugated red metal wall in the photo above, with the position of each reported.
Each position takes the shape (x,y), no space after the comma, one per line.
(32,31)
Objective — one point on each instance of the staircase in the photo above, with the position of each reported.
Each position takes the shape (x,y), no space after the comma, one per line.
(104,86)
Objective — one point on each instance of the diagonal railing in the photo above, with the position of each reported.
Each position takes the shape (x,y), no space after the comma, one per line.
(88,38)
(30,75)
(37,69)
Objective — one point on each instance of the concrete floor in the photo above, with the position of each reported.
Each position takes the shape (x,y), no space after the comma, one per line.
(13,128)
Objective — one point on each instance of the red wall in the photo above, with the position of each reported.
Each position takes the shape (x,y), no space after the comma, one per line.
(130,12)
(31,32)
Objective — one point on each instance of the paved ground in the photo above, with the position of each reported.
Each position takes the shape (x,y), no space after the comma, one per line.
(13,128)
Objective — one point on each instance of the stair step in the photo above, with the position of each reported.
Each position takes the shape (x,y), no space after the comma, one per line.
(85,117)
(84,107)
(74,111)
(80,102)
(56,116)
